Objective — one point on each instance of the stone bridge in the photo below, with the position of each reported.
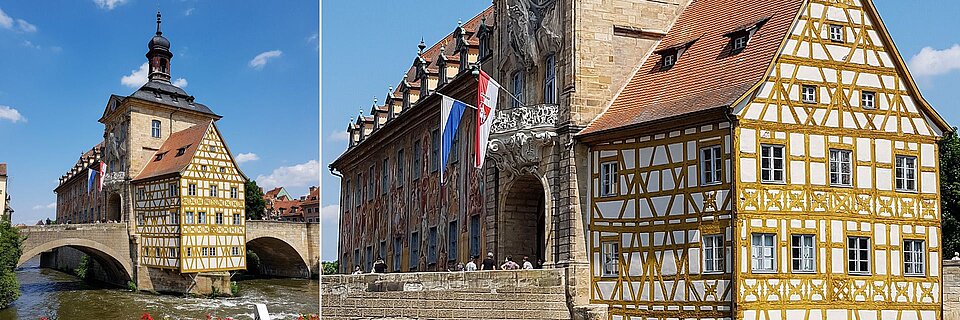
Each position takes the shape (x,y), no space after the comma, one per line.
(285,249)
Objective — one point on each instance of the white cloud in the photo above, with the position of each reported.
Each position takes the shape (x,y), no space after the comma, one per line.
(314,39)
(931,62)
(246,157)
(5,20)
(48,206)
(138,77)
(180,82)
(330,212)
(28,44)
(300,175)
(25,26)
(20,25)
(189,11)
(109,4)
(261,59)
(340,136)
(11,114)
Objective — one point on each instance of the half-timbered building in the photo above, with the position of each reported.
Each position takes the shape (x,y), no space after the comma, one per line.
(769,160)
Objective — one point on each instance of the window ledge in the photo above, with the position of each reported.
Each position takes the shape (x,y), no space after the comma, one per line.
(860,274)
(763,271)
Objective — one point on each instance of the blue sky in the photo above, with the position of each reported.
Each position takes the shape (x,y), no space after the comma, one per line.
(368,45)
(61,60)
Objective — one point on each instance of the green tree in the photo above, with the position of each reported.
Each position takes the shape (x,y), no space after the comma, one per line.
(331,267)
(11,247)
(256,207)
(950,193)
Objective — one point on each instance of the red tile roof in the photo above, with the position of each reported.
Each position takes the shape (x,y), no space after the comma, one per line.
(170,162)
(706,75)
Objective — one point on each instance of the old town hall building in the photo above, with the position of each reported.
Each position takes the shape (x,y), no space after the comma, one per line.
(168,174)
(704,159)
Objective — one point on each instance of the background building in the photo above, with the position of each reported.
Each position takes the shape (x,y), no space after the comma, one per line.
(6,212)
(77,200)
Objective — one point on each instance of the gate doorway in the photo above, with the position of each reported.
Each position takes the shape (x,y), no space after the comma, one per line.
(523,221)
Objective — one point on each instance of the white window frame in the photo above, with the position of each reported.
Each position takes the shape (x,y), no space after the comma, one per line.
(711,165)
(836,33)
(841,168)
(155,131)
(771,165)
(610,258)
(858,252)
(868,99)
(609,178)
(713,254)
(669,60)
(914,262)
(906,173)
(763,250)
(739,43)
(803,253)
(808,97)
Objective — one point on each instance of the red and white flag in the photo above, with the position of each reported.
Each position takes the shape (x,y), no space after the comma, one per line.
(103,172)
(487,93)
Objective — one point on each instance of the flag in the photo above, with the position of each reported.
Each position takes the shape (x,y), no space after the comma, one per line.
(91,176)
(451,111)
(103,171)
(487,92)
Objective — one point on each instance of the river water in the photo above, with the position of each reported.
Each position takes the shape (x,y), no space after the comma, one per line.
(57,295)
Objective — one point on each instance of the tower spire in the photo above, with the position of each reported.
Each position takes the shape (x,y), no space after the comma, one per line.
(158,23)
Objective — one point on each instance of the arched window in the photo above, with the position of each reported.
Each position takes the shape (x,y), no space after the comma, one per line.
(163,65)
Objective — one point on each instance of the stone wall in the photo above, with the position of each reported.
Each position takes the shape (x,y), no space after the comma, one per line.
(524,294)
(951,290)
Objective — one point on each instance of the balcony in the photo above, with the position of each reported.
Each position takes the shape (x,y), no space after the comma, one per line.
(113,178)
(526,118)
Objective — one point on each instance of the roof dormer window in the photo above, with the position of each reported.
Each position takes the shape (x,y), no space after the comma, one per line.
(740,36)
(182,150)
(671,54)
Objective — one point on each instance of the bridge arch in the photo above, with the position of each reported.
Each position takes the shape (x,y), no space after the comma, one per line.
(278,257)
(116,265)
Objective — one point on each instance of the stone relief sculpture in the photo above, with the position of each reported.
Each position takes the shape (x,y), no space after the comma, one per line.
(533,27)
(521,153)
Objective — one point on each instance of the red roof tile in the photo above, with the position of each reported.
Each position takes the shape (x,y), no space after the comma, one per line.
(170,162)
(706,75)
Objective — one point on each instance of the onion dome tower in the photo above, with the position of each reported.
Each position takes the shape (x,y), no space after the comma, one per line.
(159,56)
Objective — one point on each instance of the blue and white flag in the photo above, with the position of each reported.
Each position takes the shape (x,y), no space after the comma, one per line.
(90,178)
(451,111)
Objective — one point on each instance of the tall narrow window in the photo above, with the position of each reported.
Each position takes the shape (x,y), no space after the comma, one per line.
(841,168)
(771,163)
(236,219)
(610,252)
(346,193)
(434,150)
(219,218)
(359,190)
(356,257)
(397,253)
(414,250)
(836,33)
(417,154)
(809,94)
(518,89)
(868,100)
(803,250)
(550,80)
(608,179)
(155,128)
(713,251)
(453,238)
(432,246)
(234,193)
(188,217)
(172,189)
(913,258)
(858,255)
(201,217)
(475,236)
(368,257)
(213,191)
(763,255)
(401,163)
(906,175)
(192,189)
(371,182)
(711,165)
(385,176)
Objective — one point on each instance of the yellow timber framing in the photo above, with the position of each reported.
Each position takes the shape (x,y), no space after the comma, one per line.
(221,171)
(661,167)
